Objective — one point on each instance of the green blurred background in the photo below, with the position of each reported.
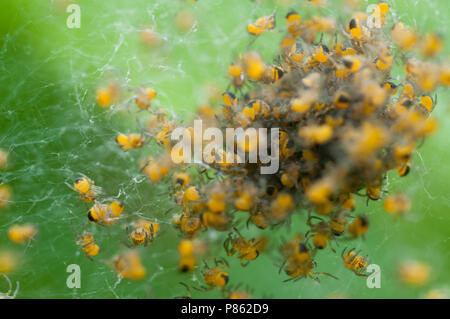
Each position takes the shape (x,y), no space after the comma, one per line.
(53,130)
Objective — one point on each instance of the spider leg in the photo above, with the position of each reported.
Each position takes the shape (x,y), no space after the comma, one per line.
(226,246)
(282,265)
(326,274)
(360,274)
(314,278)
(291,279)
(244,264)
(331,247)
(343,254)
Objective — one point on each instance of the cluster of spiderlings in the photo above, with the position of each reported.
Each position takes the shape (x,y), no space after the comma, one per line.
(344,121)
